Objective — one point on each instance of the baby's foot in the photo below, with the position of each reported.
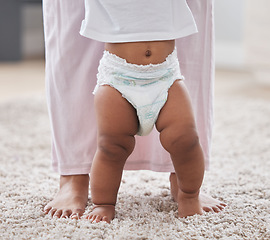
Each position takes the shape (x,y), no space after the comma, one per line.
(188,204)
(71,198)
(208,203)
(101,213)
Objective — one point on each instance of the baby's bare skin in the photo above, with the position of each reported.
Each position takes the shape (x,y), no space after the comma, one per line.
(116,140)
(207,203)
(142,53)
(103,213)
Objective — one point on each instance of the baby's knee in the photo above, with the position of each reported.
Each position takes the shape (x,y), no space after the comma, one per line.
(179,141)
(116,148)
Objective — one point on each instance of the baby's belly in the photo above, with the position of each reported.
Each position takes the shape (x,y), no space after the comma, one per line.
(142,53)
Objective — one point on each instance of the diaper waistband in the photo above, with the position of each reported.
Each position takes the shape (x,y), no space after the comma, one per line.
(113,60)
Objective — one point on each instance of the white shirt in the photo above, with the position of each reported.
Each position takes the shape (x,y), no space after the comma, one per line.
(137,20)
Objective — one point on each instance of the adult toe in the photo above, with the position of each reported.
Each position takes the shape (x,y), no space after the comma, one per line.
(216,209)
(223,204)
(221,207)
(52,211)
(47,208)
(76,214)
(58,213)
(66,213)
(208,209)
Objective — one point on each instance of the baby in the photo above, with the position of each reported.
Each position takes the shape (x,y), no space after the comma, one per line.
(140,86)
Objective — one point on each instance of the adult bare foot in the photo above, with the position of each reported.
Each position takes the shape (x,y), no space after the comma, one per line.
(71,198)
(102,213)
(208,203)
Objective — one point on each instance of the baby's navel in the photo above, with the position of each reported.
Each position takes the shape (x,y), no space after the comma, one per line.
(148,53)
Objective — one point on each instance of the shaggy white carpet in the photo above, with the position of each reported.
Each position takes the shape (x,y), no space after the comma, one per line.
(239,175)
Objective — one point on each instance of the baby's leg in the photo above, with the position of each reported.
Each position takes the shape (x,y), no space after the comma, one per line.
(179,137)
(208,203)
(117,124)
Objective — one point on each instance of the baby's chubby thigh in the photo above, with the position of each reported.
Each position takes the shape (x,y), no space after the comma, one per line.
(117,122)
(176,122)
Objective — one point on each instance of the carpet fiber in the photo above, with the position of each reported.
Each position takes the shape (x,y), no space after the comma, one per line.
(239,176)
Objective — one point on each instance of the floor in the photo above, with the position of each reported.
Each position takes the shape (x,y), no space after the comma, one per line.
(26,78)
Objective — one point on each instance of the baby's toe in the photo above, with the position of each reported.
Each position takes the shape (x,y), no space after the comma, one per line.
(98,219)
(93,218)
(105,219)
(88,217)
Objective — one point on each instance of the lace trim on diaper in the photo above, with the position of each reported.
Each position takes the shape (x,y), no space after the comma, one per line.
(110,58)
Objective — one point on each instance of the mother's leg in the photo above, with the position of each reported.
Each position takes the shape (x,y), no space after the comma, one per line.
(71,67)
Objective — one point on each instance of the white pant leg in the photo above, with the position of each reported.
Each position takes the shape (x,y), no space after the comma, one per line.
(71,67)
(196,57)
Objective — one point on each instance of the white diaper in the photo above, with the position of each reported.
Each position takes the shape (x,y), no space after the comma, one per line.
(144,86)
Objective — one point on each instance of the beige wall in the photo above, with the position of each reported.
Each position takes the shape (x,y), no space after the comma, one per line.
(229,26)
(258,33)
(257,39)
